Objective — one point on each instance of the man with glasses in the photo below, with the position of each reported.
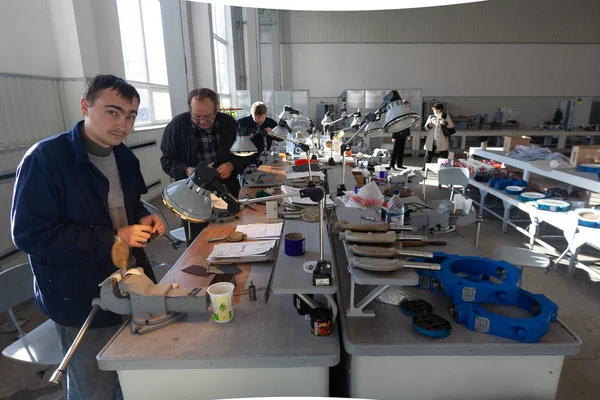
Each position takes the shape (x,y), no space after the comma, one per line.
(202,134)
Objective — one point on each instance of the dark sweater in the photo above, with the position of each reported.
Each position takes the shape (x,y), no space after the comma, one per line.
(180,146)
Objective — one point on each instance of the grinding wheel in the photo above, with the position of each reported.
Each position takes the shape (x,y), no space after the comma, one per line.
(431,325)
(415,307)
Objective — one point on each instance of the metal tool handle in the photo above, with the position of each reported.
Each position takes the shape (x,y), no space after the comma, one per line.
(403,236)
(408,253)
(418,265)
(62,368)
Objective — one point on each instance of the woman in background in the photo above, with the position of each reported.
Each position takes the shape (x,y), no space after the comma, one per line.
(437,141)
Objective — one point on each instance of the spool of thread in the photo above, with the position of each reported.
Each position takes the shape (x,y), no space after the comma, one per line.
(252,291)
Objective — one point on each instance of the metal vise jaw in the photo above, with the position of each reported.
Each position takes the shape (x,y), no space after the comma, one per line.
(152,306)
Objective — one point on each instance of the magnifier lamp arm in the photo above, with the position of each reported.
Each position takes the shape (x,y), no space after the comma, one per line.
(316,194)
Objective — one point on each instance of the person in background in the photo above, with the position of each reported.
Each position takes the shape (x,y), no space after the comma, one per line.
(75,194)
(202,134)
(399,140)
(436,142)
(259,120)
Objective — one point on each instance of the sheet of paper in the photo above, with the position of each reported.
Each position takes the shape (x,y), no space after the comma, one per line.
(244,249)
(257,231)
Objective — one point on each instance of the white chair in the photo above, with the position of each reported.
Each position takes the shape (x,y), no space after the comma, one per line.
(40,346)
(523,258)
(175,236)
(453,176)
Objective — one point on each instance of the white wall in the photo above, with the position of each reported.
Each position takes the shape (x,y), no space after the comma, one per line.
(26,39)
(201,44)
(66,41)
(444,69)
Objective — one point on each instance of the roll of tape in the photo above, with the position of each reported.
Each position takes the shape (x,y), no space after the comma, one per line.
(589,217)
(553,205)
(530,196)
(594,168)
(513,190)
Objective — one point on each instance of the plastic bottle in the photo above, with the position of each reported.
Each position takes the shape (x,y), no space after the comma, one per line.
(395,209)
(290,146)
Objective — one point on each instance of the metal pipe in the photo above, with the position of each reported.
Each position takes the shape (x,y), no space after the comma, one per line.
(321,213)
(344,152)
(62,368)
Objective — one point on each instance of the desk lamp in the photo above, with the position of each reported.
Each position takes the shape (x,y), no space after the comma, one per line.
(190,200)
(397,118)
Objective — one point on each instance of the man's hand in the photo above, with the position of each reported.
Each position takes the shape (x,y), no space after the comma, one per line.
(153,220)
(189,171)
(268,129)
(393,140)
(135,235)
(225,170)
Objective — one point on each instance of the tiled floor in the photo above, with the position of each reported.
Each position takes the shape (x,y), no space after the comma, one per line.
(578,298)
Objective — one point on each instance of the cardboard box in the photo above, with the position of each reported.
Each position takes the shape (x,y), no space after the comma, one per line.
(359,177)
(510,142)
(584,155)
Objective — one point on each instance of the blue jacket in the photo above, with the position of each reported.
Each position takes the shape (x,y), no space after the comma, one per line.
(60,218)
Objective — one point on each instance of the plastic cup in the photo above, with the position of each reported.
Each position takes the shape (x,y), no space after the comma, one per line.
(221,299)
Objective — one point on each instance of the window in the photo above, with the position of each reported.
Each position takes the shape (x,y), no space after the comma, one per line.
(143,45)
(223,54)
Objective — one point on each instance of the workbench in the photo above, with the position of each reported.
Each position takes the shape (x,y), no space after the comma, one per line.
(384,358)
(563,221)
(266,350)
(548,135)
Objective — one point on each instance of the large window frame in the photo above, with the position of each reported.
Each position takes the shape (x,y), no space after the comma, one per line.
(222,37)
(151,83)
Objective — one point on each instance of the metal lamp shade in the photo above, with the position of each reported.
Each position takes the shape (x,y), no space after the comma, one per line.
(243,146)
(300,123)
(373,128)
(279,132)
(398,118)
(188,200)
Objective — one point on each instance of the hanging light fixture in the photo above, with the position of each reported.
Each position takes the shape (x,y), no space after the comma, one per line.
(243,146)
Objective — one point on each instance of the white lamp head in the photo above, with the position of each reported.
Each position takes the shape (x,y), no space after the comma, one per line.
(398,117)
(188,200)
(373,128)
(243,146)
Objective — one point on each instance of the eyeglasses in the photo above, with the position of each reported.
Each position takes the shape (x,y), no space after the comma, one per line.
(206,118)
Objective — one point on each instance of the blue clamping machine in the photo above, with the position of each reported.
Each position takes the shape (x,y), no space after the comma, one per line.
(528,330)
(472,281)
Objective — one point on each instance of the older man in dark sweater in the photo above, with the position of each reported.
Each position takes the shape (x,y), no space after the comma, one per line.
(202,134)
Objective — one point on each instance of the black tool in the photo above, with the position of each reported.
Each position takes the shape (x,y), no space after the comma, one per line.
(431,325)
(252,291)
(322,274)
(268,289)
(415,307)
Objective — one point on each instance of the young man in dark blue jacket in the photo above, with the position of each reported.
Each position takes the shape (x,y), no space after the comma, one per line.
(74,195)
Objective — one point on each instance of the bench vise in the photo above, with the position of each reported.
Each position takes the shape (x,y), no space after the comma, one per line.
(151,306)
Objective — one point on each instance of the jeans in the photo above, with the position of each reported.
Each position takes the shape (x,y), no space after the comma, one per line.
(85,381)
